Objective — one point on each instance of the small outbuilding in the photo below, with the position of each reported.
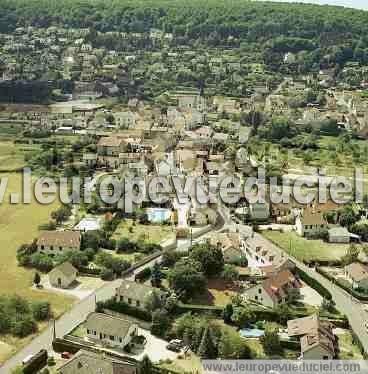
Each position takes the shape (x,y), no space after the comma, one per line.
(338,235)
(63,276)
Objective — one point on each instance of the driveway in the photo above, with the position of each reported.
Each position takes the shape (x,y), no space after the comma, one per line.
(310,296)
(84,287)
(155,348)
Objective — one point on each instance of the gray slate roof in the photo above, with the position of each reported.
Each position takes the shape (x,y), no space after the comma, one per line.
(135,291)
(108,325)
(66,268)
(85,362)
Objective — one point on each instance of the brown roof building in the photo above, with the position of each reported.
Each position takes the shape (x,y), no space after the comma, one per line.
(57,242)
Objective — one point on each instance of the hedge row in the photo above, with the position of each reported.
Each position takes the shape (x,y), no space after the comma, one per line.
(311,282)
(344,286)
(61,345)
(124,308)
(36,363)
(89,271)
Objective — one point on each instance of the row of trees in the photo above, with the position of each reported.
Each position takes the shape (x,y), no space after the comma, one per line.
(19,317)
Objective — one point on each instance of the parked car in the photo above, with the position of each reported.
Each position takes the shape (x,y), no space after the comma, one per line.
(173,347)
(27,359)
(66,355)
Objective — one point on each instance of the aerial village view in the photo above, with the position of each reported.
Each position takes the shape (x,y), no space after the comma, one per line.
(116,90)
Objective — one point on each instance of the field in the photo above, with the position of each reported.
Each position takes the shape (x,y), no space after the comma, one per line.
(12,156)
(304,249)
(18,225)
(150,233)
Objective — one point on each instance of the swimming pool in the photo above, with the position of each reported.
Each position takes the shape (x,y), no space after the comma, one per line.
(251,333)
(158,215)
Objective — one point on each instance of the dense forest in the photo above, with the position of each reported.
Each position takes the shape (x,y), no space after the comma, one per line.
(316,32)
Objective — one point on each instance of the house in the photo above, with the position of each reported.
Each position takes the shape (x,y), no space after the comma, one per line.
(231,245)
(357,273)
(203,216)
(110,146)
(338,235)
(262,253)
(135,294)
(192,102)
(125,120)
(310,222)
(317,340)
(87,362)
(277,289)
(114,331)
(58,242)
(63,276)
(259,211)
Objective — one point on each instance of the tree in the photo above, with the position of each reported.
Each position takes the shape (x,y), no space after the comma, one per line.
(41,310)
(207,348)
(127,246)
(233,347)
(351,255)
(106,274)
(242,316)
(37,279)
(227,313)
(186,278)
(145,366)
(160,322)
(156,275)
(270,340)
(24,327)
(152,301)
(284,313)
(210,257)
(171,302)
(230,273)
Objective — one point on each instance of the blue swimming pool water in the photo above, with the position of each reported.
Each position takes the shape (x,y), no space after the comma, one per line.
(158,215)
(251,333)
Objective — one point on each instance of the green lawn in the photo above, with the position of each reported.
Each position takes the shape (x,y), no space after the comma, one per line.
(304,249)
(19,224)
(348,350)
(150,233)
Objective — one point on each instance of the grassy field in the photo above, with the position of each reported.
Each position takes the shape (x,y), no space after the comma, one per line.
(150,233)
(12,155)
(19,224)
(219,293)
(348,350)
(304,249)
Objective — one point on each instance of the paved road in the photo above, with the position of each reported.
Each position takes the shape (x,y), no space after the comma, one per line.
(348,305)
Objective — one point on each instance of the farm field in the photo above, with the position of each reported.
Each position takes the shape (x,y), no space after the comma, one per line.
(19,224)
(303,249)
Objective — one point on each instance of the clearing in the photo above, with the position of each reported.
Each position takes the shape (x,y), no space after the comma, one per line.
(305,249)
(149,233)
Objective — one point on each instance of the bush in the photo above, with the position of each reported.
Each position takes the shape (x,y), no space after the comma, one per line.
(51,361)
(24,327)
(143,274)
(41,310)
(106,274)
(41,262)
